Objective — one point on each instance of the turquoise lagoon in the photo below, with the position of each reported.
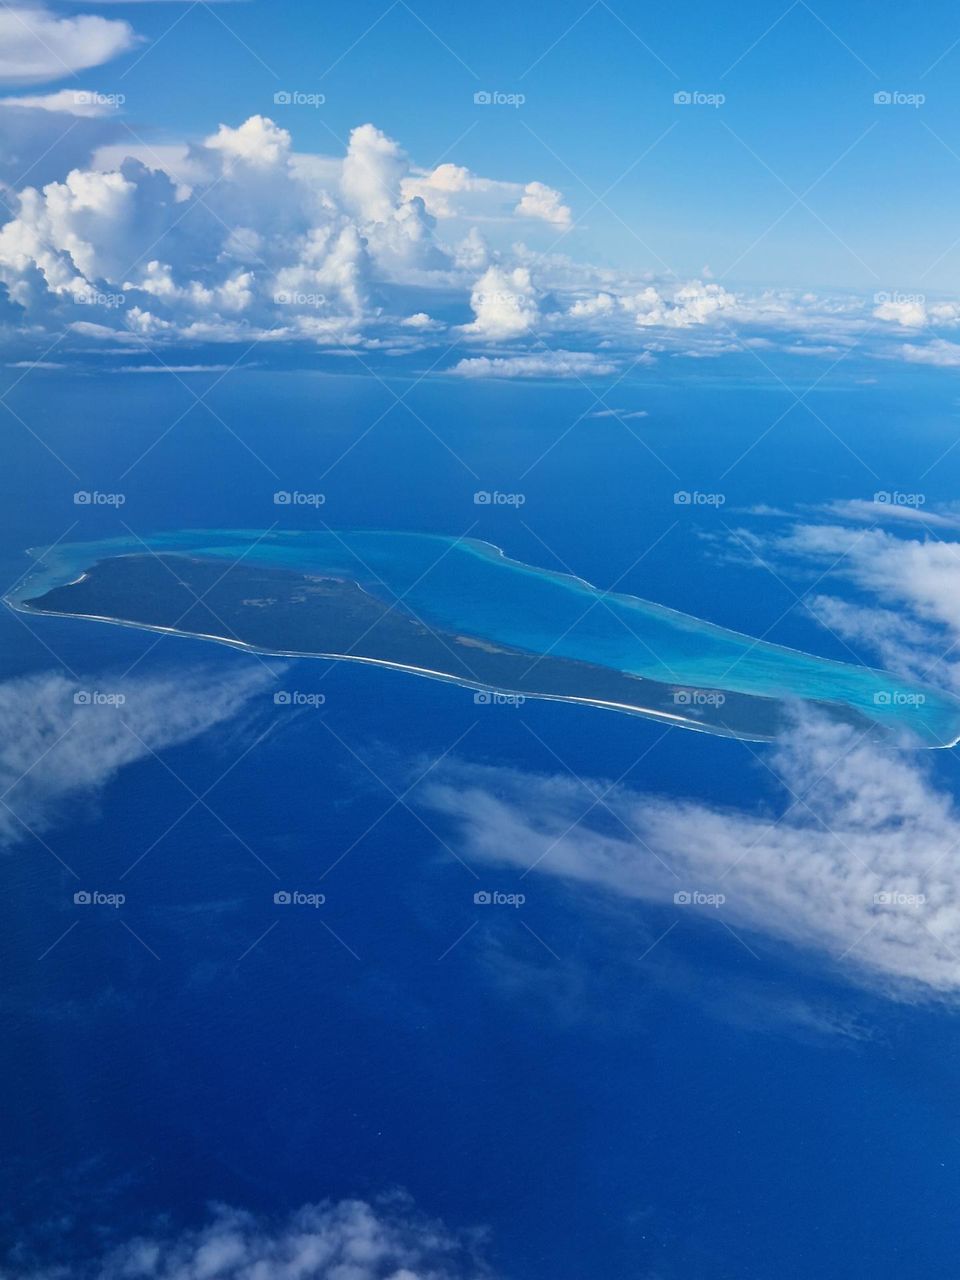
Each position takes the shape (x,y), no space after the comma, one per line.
(471,588)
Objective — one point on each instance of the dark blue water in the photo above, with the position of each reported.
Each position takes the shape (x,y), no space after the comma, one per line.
(602,1111)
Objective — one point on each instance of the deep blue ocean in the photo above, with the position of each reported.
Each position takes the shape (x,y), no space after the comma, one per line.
(602,1111)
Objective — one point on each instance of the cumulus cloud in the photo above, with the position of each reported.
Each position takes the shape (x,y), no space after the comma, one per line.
(61,740)
(452,191)
(240,237)
(345,1240)
(37,45)
(857,860)
(539,201)
(504,304)
(548,364)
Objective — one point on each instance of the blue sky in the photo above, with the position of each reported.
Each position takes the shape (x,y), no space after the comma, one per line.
(569,192)
(799,83)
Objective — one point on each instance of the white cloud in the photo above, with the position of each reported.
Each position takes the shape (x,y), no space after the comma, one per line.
(258,142)
(864,871)
(85,103)
(82,745)
(37,45)
(939,352)
(241,238)
(548,364)
(540,201)
(909,313)
(504,304)
(345,1240)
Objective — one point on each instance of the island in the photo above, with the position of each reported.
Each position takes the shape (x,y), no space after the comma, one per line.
(460,611)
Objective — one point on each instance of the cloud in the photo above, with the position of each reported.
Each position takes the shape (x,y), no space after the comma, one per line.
(62,740)
(85,103)
(938,352)
(923,576)
(345,1240)
(550,364)
(240,237)
(36,45)
(623,414)
(883,509)
(862,868)
(504,304)
(539,201)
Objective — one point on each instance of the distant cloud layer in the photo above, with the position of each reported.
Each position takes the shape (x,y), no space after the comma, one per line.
(345,1240)
(241,238)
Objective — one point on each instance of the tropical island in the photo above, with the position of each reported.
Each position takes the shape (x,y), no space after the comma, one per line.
(461,611)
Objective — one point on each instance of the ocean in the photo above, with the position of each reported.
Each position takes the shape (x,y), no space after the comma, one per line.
(600,1099)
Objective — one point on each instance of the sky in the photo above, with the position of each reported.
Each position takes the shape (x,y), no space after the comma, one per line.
(575,184)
